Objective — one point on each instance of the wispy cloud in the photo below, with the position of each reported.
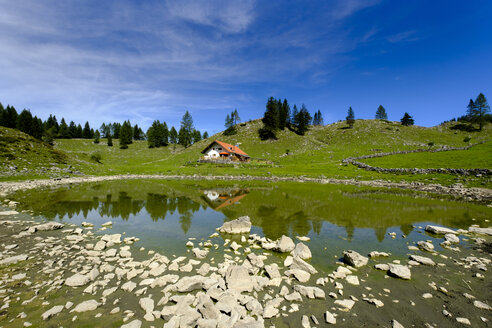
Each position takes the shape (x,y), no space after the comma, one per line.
(405,36)
(346,8)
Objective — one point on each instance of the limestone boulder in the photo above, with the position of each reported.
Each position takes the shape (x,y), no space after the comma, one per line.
(238,226)
(354,259)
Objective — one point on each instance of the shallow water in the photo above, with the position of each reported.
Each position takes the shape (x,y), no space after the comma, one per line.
(164,214)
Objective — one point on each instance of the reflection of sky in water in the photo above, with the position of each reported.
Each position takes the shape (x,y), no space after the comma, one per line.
(336,218)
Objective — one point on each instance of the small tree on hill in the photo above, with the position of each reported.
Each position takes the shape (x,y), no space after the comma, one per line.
(197,136)
(49,136)
(173,135)
(155,135)
(24,122)
(205,135)
(97,136)
(235,117)
(63,130)
(381,113)
(350,117)
(110,140)
(302,120)
(165,134)
(229,125)
(185,135)
(270,120)
(318,118)
(407,120)
(126,135)
(87,131)
(477,110)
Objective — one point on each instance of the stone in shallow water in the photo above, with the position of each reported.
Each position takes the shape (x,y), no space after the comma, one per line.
(302,251)
(49,226)
(422,260)
(464,321)
(399,271)
(13,259)
(238,278)
(354,259)
(482,305)
(284,245)
(346,305)
(438,230)
(77,280)
(240,225)
(85,306)
(452,238)
(425,246)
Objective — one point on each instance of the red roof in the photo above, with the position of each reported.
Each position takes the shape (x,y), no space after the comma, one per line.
(228,148)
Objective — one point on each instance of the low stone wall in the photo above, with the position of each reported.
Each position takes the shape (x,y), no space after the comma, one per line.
(367,167)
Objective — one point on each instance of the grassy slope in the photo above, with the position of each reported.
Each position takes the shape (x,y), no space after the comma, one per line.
(24,157)
(317,154)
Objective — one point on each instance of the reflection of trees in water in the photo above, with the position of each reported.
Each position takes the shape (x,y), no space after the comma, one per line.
(380,233)
(156,205)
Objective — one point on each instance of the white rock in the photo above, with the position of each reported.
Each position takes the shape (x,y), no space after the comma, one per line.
(77,280)
(399,271)
(240,225)
(13,259)
(51,312)
(345,304)
(354,259)
(302,251)
(438,230)
(464,321)
(330,318)
(85,306)
(422,260)
(284,245)
(353,280)
(133,324)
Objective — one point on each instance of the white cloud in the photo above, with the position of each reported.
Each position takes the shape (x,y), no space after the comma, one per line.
(232,16)
(346,8)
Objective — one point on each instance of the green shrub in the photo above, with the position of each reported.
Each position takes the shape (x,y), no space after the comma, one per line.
(96,157)
(467,139)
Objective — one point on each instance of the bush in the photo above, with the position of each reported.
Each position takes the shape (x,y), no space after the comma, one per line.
(467,139)
(96,157)
(430,144)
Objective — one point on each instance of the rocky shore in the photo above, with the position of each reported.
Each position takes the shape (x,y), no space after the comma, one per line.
(456,190)
(63,274)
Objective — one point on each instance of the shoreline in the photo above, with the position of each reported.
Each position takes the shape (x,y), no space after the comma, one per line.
(457,190)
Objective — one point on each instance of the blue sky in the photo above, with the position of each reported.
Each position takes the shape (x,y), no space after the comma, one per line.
(109,60)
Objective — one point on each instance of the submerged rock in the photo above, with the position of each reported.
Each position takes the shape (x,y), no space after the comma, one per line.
(481,231)
(13,259)
(422,260)
(240,225)
(77,280)
(49,226)
(438,230)
(89,305)
(354,259)
(399,271)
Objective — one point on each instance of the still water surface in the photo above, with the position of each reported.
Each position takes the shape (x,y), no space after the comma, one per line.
(165,214)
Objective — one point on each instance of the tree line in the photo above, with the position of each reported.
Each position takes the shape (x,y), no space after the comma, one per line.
(157,135)
(278,116)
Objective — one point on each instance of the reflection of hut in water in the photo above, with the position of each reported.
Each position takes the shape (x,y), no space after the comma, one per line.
(220,198)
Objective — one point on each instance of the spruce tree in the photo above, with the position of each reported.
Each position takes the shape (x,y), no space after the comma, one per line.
(10,117)
(115,129)
(381,113)
(97,136)
(37,128)
(87,131)
(155,135)
(24,122)
(205,135)
(63,130)
(72,130)
(407,120)
(303,120)
(350,117)
(110,140)
(235,117)
(229,125)
(105,130)
(197,136)
(270,120)
(283,115)
(126,134)
(186,130)
(165,134)
(173,136)
(80,132)
(49,135)
(478,111)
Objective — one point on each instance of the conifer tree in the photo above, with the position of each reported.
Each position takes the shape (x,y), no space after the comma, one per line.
(230,125)
(477,110)
(284,114)
(80,132)
(303,120)
(155,135)
(350,117)
(270,120)
(197,136)
(235,117)
(126,135)
(9,117)
(173,136)
(37,128)
(185,134)
(49,136)
(115,129)
(407,120)
(87,131)
(97,136)
(24,122)
(110,140)
(72,130)
(381,113)
(105,130)
(205,135)
(63,130)
(165,134)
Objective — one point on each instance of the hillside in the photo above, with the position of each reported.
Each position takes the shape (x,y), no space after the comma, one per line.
(24,157)
(317,154)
